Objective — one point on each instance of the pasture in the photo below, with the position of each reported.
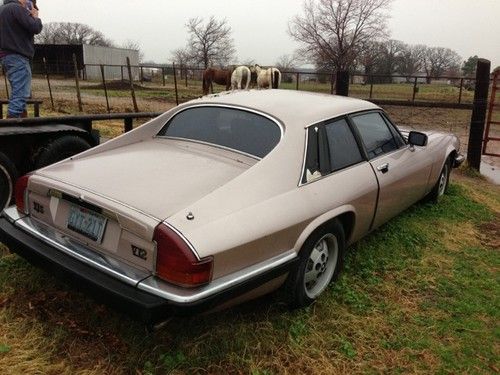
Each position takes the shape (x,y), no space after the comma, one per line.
(419,295)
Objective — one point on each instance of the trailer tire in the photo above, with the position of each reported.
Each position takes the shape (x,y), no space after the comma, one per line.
(8,177)
(59,149)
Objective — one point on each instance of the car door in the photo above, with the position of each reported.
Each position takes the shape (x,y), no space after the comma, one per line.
(337,174)
(402,170)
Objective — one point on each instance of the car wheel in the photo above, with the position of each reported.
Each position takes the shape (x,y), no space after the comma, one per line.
(59,149)
(8,177)
(442,183)
(321,259)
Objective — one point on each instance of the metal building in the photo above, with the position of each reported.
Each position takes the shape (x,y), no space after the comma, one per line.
(59,61)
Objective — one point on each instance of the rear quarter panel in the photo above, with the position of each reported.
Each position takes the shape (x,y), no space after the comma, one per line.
(439,147)
(282,223)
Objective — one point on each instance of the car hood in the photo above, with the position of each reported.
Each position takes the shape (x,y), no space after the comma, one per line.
(158,177)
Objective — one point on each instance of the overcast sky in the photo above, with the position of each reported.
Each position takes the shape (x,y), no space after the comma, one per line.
(470,27)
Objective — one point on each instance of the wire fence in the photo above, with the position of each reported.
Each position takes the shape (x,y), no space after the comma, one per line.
(184,83)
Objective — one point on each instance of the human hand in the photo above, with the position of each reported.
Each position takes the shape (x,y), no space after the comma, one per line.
(34,12)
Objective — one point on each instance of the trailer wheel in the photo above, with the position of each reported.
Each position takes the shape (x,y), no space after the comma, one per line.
(59,149)
(8,177)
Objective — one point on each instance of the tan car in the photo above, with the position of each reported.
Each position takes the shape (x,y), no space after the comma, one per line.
(223,199)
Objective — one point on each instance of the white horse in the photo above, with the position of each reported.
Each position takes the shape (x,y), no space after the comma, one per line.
(237,77)
(270,78)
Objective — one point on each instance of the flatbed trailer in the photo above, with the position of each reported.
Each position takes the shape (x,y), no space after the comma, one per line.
(32,143)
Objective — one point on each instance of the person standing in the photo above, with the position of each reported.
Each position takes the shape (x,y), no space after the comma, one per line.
(19,23)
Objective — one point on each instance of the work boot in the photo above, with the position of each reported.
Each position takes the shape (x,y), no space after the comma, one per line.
(9,115)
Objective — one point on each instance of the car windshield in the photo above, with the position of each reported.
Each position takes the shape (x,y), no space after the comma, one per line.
(228,127)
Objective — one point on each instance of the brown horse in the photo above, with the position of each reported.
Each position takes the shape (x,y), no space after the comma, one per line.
(219,76)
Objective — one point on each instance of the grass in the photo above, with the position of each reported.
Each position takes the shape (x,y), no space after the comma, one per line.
(419,295)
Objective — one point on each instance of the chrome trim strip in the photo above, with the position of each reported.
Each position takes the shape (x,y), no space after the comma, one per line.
(132,276)
(183,295)
(41,175)
(183,238)
(113,267)
(12,214)
(241,108)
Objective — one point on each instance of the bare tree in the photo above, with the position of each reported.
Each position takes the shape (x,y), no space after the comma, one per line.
(181,56)
(71,33)
(411,60)
(286,63)
(210,43)
(333,32)
(369,59)
(391,54)
(134,45)
(439,60)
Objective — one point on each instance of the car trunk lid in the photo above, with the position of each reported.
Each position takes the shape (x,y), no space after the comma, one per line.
(157,177)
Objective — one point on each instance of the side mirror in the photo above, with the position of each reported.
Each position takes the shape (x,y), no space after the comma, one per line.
(417,139)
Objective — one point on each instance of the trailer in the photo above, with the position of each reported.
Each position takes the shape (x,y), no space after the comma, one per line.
(33,143)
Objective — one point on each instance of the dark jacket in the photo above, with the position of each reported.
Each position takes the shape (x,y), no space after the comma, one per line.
(17,29)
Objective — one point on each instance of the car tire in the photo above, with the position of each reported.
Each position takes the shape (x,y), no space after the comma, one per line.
(59,149)
(8,177)
(441,186)
(321,260)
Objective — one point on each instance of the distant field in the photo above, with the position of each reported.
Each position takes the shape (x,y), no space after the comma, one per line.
(420,295)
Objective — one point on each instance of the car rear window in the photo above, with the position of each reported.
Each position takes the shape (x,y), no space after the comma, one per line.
(228,127)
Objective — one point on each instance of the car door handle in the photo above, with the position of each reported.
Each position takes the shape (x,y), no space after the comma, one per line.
(384,168)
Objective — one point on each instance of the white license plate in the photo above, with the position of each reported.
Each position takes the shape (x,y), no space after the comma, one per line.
(86,223)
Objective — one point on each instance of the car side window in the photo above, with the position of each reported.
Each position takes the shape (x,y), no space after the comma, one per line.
(395,133)
(344,150)
(375,134)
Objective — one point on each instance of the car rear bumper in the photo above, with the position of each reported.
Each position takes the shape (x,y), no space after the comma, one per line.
(147,304)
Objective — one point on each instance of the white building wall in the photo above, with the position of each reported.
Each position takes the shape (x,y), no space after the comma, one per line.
(109,56)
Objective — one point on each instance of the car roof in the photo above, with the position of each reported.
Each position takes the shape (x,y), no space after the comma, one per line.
(296,108)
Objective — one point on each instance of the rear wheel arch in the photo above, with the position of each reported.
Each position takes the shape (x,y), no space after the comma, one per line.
(345,215)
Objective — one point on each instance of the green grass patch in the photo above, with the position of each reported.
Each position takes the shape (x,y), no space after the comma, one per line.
(418,295)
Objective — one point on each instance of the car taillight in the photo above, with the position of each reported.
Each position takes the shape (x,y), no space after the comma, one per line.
(20,193)
(176,262)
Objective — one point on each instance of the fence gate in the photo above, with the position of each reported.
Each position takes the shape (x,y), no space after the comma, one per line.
(492,131)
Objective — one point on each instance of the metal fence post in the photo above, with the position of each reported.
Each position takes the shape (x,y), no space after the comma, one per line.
(478,114)
(128,124)
(105,88)
(297,78)
(48,83)
(175,84)
(342,83)
(414,89)
(461,89)
(77,80)
(132,89)
(163,75)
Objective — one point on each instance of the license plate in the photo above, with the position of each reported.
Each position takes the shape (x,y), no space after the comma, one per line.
(86,223)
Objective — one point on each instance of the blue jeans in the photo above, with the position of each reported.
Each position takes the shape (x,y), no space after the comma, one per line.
(18,72)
